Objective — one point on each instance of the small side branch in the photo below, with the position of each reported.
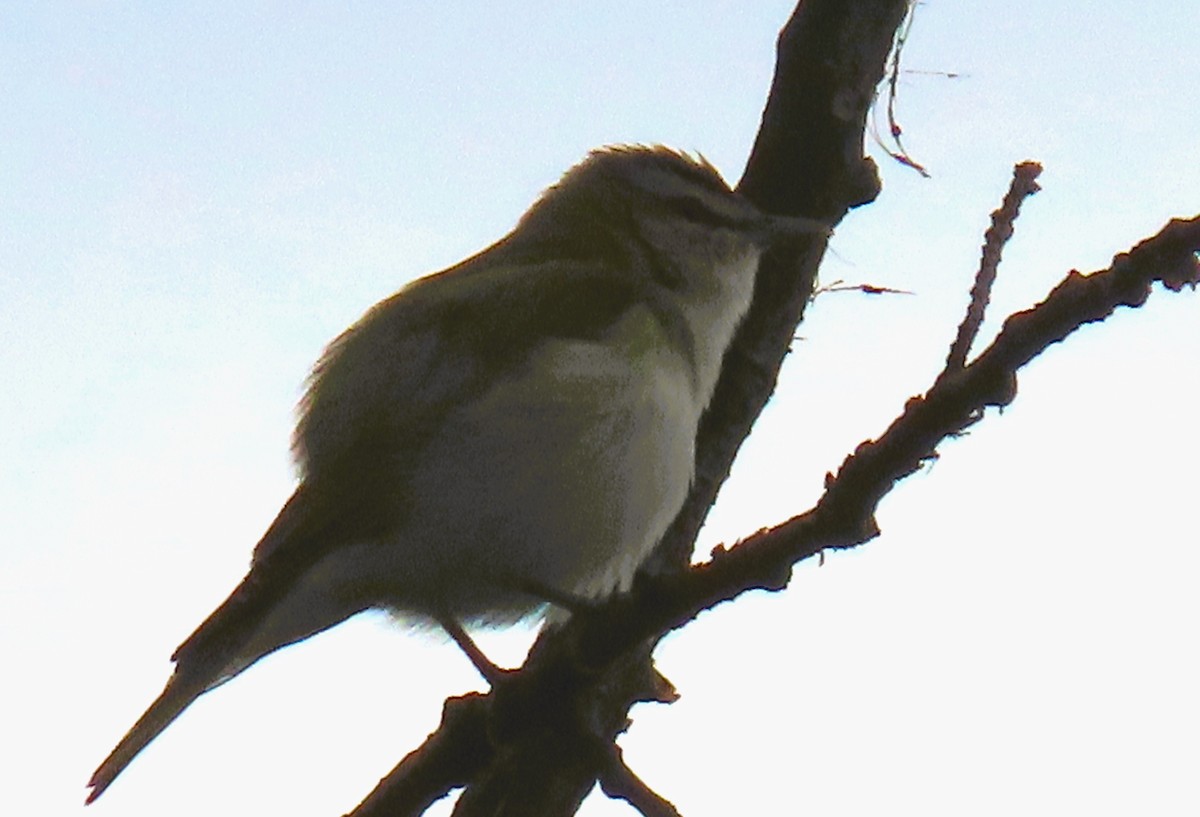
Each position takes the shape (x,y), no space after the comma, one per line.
(900,154)
(620,782)
(1024,185)
(844,517)
(447,760)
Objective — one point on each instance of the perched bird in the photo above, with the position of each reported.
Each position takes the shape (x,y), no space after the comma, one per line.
(515,430)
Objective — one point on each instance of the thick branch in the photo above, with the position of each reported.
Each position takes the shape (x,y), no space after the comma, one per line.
(844,517)
(544,736)
(449,758)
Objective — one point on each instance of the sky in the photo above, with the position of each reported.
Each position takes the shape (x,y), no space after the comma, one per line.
(194,199)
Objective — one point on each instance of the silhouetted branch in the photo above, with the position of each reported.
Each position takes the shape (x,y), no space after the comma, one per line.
(620,783)
(844,517)
(539,742)
(1024,185)
(808,159)
(448,759)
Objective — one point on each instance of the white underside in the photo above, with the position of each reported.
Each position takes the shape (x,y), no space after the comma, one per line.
(562,476)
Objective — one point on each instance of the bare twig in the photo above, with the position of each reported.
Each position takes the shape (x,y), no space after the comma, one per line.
(620,783)
(844,517)
(1024,184)
(865,289)
(900,154)
(449,758)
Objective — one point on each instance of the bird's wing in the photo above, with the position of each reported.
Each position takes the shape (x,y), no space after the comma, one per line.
(383,383)
(374,398)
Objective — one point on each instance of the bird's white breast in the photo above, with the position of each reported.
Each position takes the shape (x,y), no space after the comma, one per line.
(562,473)
(562,476)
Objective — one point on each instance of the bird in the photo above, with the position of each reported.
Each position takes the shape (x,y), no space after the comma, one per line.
(507,435)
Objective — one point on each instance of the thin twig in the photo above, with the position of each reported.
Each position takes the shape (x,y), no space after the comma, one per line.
(620,782)
(900,154)
(1024,184)
(865,289)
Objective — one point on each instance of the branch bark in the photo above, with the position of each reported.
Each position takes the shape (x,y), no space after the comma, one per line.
(808,159)
(542,738)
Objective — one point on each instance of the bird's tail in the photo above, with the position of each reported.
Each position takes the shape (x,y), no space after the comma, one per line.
(180,691)
(269,609)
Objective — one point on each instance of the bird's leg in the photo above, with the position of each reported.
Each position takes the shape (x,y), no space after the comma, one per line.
(491,673)
(494,675)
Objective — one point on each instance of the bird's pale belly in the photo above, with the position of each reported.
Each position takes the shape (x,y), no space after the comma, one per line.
(542,484)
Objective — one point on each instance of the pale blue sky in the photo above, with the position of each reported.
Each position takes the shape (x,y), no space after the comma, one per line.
(195,199)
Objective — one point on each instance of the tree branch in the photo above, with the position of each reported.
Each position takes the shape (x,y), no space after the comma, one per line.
(1024,185)
(808,159)
(542,738)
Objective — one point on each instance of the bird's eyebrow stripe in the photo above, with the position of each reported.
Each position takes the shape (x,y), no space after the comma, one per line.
(665,181)
(694,209)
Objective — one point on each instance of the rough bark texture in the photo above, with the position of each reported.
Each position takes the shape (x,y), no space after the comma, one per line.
(540,741)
